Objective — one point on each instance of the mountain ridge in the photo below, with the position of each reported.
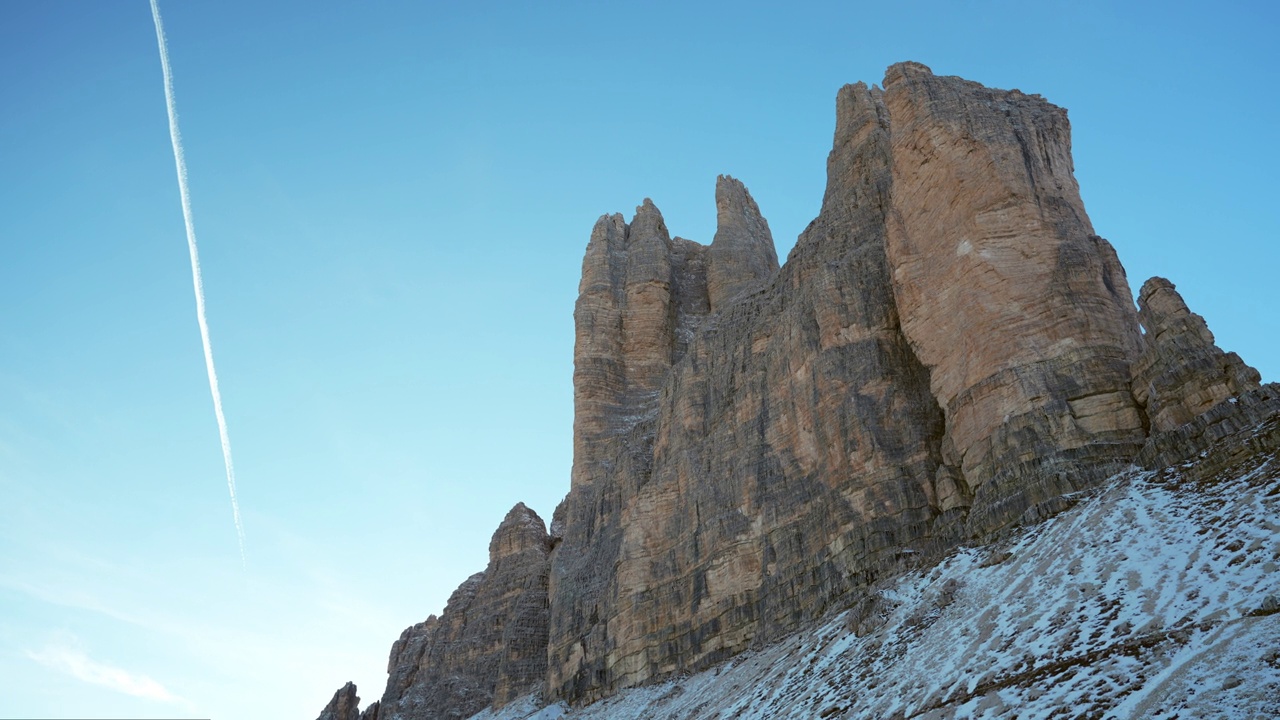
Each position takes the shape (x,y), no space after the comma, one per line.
(949,353)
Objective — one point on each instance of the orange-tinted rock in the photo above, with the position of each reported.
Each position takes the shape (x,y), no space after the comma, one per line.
(742,257)
(791,456)
(948,350)
(1021,313)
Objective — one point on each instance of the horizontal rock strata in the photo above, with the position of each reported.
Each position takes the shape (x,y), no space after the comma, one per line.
(948,351)
(489,645)
(1021,313)
(1182,373)
(790,453)
(1194,392)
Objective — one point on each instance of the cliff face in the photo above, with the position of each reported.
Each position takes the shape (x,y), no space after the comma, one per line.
(789,454)
(1021,313)
(948,351)
(1182,373)
(489,644)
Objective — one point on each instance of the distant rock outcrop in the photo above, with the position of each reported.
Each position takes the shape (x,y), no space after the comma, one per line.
(1182,372)
(1194,393)
(949,352)
(345,705)
(489,645)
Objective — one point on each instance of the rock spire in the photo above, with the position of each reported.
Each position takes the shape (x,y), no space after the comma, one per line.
(949,351)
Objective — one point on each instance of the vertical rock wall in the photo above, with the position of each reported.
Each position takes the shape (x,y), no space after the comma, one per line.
(1194,392)
(641,296)
(1021,313)
(948,350)
(742,256)
(791,455)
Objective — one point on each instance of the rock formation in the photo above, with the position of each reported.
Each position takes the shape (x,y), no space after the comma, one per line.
(948,351)
(489,645)
(345,705)
(742,256)
(790,457)
(1193,392)
(1021,313)
(1182,372)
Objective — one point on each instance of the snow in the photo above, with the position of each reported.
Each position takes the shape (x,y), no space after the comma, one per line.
(1141,601)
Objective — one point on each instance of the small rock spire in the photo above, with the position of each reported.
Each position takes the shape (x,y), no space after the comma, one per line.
(1182,373)
(743,258)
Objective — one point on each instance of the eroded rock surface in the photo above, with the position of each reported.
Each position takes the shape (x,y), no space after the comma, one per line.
(791,456)
(1194,392)
(1182,372)
(950,350)
(489,644)
(742,256)
(1021,313)
(345,705)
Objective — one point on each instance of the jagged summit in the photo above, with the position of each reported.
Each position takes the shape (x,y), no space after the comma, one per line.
(345,705)
(1182,372)
(521,531)
(949,354)
(742,256)
(904,69)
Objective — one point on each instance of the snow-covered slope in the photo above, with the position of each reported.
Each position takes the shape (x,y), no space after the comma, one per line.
(1153,598)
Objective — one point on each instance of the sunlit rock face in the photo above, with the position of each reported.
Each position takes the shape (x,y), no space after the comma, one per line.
(1021,313)
(790,454)
(949,352)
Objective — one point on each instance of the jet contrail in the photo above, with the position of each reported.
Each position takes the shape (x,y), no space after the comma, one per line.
(181,162)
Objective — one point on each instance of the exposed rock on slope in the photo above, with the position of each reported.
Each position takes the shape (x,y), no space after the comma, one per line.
(949,352)
(1155,597)
(1182,373)
(345,705)
(791,457)
(489,645)
(1194,393)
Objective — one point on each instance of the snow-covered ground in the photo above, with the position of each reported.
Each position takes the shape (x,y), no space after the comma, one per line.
(1154,598)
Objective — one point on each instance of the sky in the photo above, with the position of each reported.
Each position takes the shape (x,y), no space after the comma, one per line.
(392,201)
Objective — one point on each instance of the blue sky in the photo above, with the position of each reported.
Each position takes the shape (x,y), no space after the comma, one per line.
(392,201)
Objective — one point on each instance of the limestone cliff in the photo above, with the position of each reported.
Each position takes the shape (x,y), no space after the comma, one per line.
(489,644)
(790,454)
(1021,313)
(1194,393)
(948,351)
(1182,373)
(742,257)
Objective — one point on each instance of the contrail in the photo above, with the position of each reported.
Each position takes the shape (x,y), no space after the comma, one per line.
(181,162)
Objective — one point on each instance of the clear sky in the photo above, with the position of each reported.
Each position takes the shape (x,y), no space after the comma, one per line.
(392,201)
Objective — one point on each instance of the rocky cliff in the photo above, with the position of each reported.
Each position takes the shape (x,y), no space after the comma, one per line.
(949,351)
(489,644)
